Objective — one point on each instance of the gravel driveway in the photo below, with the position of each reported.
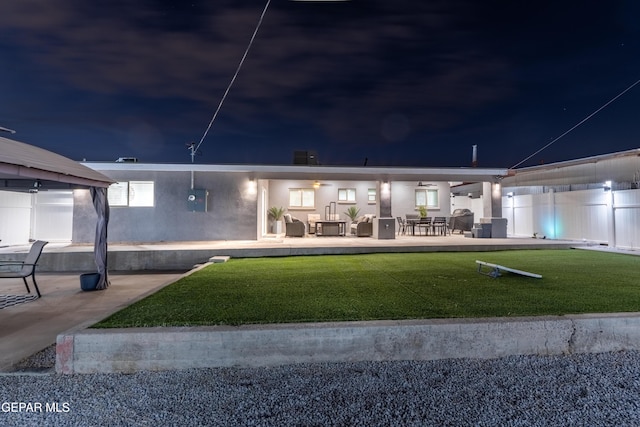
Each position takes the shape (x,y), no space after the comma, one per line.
(579,390)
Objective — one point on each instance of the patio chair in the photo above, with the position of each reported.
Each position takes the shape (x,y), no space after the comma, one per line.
(410,222)
(293,227)
(440,224)
(424,223)
(26,268)
(402,225)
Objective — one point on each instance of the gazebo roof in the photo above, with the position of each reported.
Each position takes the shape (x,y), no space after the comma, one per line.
(22,165)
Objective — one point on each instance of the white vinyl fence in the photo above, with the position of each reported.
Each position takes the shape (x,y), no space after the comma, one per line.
(47,215)
(15,218)
(626,224)
(597,216)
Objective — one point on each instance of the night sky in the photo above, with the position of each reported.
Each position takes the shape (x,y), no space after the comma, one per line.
(396,82)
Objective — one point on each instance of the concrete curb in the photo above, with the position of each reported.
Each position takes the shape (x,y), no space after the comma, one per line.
(130,350)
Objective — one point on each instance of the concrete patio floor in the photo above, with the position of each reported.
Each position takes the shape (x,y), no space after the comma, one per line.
(130,256)
(28,328)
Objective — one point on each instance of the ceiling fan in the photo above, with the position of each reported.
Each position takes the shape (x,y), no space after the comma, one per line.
(421,184)
(318,184)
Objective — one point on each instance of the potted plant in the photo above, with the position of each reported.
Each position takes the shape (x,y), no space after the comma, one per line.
(276,213)
(352,213)
(423,211)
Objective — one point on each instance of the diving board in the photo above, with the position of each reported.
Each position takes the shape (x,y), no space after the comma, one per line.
(495,272)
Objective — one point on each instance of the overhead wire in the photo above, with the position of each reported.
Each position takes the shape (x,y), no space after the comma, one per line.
(576,125)
(235,75)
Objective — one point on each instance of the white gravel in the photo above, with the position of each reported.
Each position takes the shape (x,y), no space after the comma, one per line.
(579,390)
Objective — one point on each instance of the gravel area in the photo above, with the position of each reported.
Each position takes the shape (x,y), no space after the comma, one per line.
(578,390)
(42,360)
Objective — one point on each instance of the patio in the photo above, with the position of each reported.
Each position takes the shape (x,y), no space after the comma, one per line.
(136,256)
(30,327)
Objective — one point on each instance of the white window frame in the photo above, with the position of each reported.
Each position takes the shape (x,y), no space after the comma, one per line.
(372,196)
(141,194)
(346,195)
(427,197)
(302,198)
(132,194)
(118,194)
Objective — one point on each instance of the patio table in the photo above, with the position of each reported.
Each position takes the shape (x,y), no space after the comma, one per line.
(331,228)
(420,222)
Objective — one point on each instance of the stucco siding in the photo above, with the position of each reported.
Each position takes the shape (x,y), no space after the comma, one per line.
(231,210)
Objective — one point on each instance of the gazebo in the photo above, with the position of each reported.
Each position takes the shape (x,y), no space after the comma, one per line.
(24,167)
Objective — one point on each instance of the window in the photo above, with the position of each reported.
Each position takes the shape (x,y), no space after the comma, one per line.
(133,193)
(371,195)
(302,198)
(118,194)
(346,195)
(428,198)
(141,193)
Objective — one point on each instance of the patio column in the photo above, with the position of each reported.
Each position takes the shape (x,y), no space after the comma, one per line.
(492,209)
(384,224)
(491,200)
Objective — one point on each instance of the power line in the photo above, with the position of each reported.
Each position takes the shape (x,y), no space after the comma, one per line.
(226,92)
(578,124)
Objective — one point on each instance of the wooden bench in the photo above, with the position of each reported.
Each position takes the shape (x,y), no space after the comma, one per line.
(495,270)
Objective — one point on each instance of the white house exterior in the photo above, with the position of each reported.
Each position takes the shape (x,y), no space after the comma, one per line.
(234,199)
(595,199)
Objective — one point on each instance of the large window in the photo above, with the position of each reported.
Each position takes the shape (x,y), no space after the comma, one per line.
(427,198)
(302,198)
(132,193)
(346,195)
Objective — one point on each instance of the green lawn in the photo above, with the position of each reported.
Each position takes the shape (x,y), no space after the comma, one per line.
(391,286)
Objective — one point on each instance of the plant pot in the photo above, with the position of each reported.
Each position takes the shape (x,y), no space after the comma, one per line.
(89,281)
(277,227)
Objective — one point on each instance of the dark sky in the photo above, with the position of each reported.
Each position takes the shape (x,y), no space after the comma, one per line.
(399,82)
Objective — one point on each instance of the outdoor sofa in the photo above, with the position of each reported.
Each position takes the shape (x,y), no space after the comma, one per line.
(293,226)
(363,226)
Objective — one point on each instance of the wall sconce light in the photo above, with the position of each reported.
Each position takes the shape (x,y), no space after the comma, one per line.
(36,186)
(510,194)
(385,185)
(470,195)
(607,185)
(252,187)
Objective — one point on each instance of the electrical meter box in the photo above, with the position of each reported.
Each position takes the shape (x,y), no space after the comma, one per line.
(197,200)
